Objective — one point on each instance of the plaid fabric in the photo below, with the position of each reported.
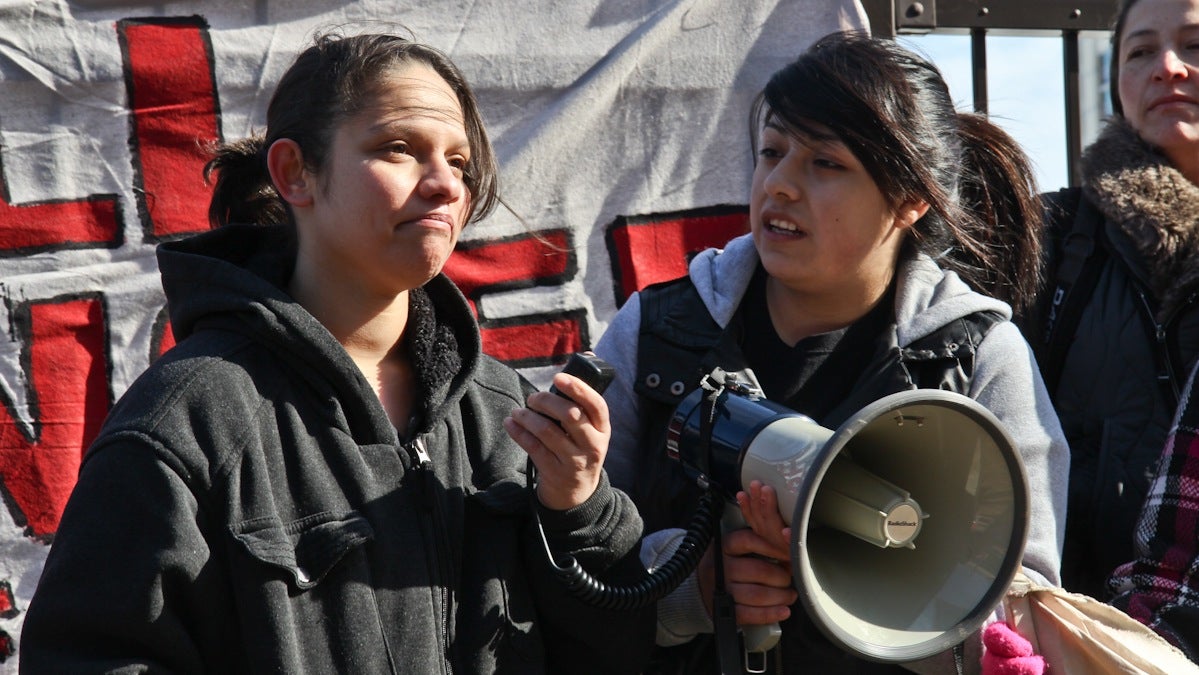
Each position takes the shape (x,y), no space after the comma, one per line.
(1165,573)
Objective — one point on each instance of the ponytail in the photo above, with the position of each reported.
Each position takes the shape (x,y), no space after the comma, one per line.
(999,235)
(243,192)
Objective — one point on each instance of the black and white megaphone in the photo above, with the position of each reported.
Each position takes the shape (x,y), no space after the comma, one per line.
(908,521)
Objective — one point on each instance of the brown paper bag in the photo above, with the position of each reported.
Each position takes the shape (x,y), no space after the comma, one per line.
(1079,635)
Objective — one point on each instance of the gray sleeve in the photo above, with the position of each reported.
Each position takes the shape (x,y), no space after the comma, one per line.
(681,614)
(618,346)
(1007,382)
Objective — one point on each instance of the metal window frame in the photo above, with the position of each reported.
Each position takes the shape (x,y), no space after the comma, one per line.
(1067,18)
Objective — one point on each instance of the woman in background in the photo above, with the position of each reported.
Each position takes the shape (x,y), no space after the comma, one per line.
(1117,331)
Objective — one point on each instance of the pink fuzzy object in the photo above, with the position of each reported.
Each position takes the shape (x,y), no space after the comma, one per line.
(1009,654)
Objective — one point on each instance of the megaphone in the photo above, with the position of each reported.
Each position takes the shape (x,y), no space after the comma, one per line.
(908,521)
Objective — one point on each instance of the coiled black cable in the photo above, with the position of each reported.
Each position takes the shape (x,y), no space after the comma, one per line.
(657,584)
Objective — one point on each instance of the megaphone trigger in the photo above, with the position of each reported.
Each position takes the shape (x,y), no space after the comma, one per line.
(757,641)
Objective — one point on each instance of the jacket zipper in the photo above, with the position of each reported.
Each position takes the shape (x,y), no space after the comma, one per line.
(423,464)
(1166,371)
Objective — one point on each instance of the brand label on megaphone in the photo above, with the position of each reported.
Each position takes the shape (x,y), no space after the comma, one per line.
(903,524)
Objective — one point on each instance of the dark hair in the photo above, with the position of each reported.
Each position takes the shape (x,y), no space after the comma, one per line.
(329,82)
(892,109)
(1113,74)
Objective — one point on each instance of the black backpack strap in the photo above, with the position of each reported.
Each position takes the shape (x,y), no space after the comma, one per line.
(945,360)
(676,333)
(1079,260)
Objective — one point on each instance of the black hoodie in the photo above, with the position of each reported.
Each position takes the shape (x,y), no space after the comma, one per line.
(249,507)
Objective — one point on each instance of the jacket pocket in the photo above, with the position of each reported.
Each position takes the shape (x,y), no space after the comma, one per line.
(305,549)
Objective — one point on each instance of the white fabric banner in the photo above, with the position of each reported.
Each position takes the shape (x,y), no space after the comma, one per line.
(621,127)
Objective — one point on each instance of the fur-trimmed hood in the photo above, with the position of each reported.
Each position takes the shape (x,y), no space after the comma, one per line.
(1140,192)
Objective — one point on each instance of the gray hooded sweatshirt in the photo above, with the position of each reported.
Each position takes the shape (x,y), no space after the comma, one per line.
(1005,380)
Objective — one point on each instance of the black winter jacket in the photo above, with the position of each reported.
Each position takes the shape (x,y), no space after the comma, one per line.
(1136,338)
(248,506)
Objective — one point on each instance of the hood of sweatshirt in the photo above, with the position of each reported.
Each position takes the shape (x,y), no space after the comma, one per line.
(926,297)
(234,279)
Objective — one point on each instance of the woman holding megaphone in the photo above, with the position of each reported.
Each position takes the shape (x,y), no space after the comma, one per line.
(890,238)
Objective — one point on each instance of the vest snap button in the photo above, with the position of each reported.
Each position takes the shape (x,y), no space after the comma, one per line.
(653,380)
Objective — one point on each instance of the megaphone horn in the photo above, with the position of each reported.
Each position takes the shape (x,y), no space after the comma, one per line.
(908,522)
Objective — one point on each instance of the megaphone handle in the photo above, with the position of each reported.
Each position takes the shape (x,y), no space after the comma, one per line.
(760,639)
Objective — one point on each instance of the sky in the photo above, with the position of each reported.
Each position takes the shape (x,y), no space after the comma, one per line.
(1025,91)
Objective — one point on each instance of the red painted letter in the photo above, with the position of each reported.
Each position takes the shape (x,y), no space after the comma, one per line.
(172,94)
(648,249)
(65,363)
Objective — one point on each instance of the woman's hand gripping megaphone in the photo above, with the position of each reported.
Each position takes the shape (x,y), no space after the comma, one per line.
(757,570)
